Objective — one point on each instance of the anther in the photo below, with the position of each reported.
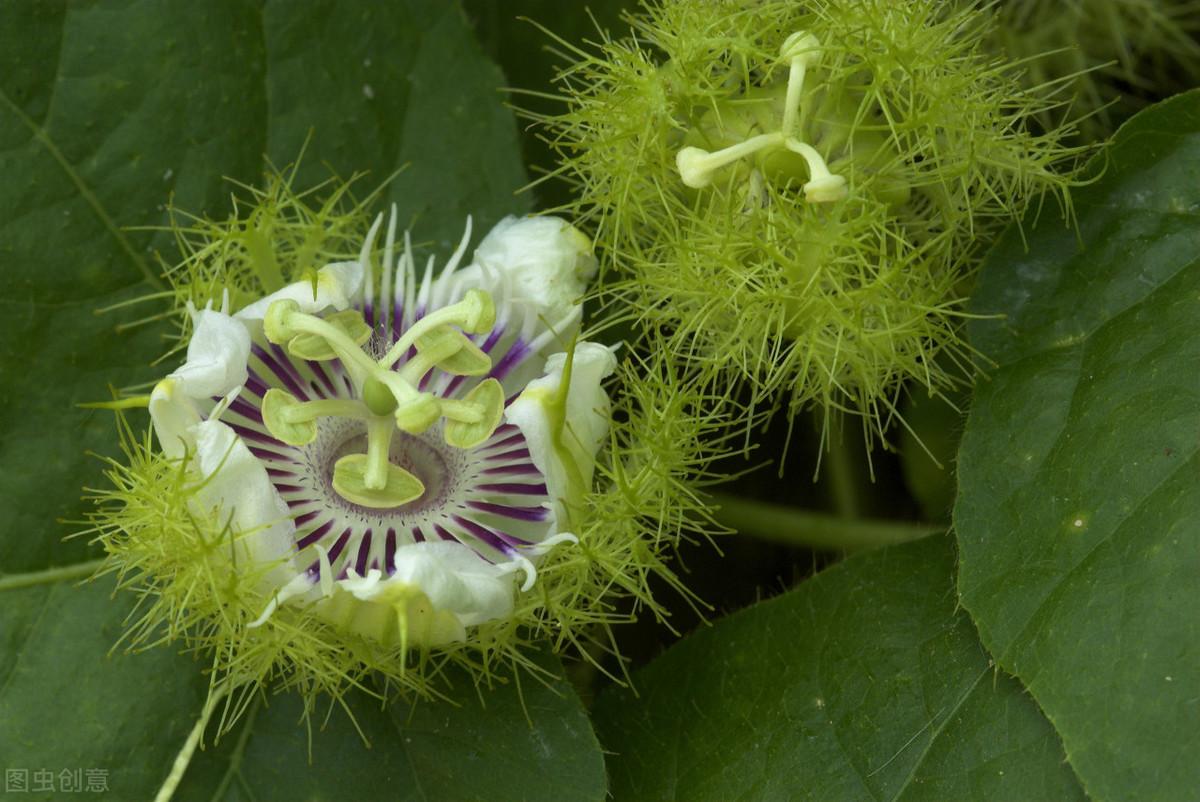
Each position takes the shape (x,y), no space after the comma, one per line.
(823,186)
(475,313)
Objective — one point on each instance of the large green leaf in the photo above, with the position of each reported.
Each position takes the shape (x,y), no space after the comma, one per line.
(65,705)
(1078,516)
(863,683)
(106,110)
(481,750)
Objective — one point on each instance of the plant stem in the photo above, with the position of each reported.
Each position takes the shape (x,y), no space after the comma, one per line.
(814,530)
(184,758)
(61,574)
(844,468)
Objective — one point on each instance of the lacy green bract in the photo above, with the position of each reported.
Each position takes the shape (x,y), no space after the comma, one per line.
(379,469)
(793,194)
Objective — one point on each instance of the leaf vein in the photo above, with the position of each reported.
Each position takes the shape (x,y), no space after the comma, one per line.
(43,137)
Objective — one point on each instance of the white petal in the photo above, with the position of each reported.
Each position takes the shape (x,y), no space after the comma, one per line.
(337,286)
(437,591)
(567,458)
(216,356)
(545,262)
(454,578)
(173,413)
(237,486)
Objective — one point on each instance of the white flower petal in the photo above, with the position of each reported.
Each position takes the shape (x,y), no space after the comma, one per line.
(454,578)
(543,264)
(437,590)
(337,286)
(216,356)
(237,485)
(173,413)
(566,457)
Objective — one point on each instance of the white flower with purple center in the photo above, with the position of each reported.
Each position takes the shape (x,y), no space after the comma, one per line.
(398,448)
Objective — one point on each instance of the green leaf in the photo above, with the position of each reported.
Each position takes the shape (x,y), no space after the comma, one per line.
(481,750)
(1078,516)
(863,683)
(65,705)
(512,33)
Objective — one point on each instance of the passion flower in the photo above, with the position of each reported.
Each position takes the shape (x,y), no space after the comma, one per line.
(383,469)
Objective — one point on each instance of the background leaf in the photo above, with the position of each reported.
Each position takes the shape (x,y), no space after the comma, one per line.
(106,111)
(863,683)
(484,751)
(1078,516)
(67,706)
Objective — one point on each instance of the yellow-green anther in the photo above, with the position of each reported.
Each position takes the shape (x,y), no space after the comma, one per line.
(466,360)
(417,413)
(823,186)
(275,406)
(449,350)
(436,349)
(343,345)
(316,348)
(697,165)
(475,313)
(488,398)
(378,397)
(399,487)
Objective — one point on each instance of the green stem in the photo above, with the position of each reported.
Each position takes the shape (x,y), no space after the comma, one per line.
(184,758)
(843,481)
(815,530)
(63,574)
(842,463)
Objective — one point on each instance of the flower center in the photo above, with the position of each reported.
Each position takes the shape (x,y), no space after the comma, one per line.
(387,399)
(431,462)
(697,166)
(477,484)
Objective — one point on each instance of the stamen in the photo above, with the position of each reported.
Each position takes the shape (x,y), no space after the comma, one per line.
(276,405)
(488,398)
(316,348)
(449,350)
(399,486)
(697,165)
(802,49)
(284,322)
(475,313)
(823,186)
